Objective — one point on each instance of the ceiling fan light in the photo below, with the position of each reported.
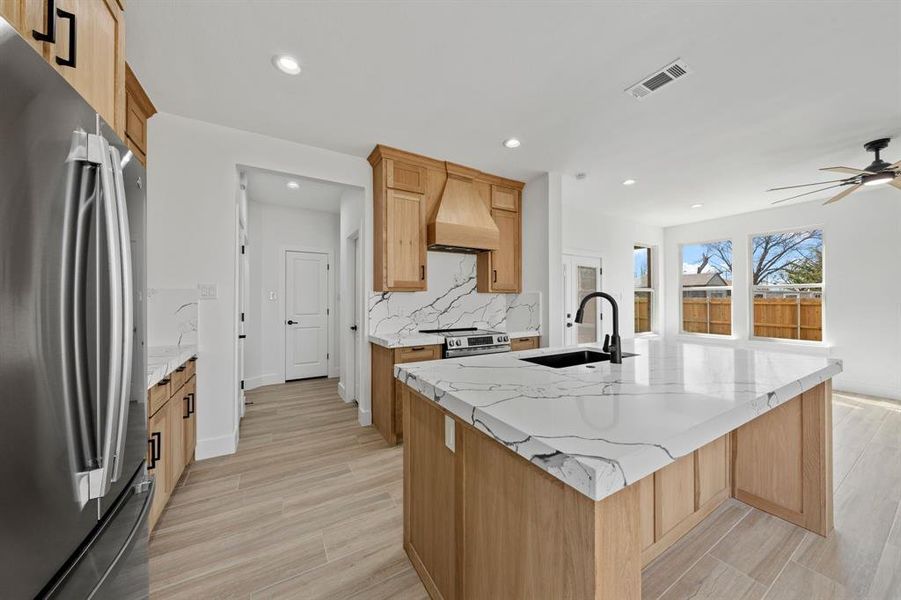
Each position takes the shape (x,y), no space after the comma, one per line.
(879,178)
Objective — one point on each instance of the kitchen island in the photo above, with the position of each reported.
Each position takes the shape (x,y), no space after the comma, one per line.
(522,480)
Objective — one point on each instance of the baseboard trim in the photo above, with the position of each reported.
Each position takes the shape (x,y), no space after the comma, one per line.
(341,391)
(867,388)
(217,446)
(260,380)
(364,417)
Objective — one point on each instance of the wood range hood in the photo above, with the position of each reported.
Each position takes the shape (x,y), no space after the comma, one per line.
(462,221)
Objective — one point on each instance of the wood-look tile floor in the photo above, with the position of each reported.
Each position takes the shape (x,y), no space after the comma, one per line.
(310,507)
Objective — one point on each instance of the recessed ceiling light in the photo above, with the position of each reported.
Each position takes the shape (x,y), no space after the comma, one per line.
(629,182)
(581,175)
(293,185)
(698,205)
(511,143)
(286,64)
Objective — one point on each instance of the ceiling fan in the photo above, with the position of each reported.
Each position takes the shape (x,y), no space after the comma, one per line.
(878,172)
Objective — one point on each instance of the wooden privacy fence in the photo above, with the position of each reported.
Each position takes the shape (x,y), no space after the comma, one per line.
(642,312)
(787,318)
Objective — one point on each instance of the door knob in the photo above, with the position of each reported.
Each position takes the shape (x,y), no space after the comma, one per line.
(290,322)
(569,324)
(353,327)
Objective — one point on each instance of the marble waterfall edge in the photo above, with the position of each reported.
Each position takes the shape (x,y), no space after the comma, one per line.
(451,301)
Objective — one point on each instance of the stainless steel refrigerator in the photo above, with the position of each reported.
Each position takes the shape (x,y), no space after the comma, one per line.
(74,493)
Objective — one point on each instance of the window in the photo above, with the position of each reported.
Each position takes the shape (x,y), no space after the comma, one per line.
(787,285)
(644,288)
(707,288)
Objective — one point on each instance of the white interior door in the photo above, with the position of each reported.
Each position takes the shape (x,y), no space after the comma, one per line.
(243,308)
(581,276)
(306,315)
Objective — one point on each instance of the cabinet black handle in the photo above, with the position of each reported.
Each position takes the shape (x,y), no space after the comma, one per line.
(187,401)
(156,439)
(417,348)
(422,272)
(193,405)
(494,275)
(50,34)
(163,381)
(180,369)
(68,62)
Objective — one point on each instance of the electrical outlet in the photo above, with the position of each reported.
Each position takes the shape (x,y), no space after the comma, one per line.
(449,433)
(208,291)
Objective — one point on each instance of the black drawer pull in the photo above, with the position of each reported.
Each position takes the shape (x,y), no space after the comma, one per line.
(180,369)
(187,401)
(417,348)
(50,34)
(193,406)
(68,62)
(156,439)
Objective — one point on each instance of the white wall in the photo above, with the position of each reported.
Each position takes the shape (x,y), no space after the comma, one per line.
(590,232)
(274,229)
(351,221)
(192,238)
(862,264)
(541,251)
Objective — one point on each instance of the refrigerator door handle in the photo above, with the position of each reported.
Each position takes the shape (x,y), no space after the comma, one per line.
(100,479)
(127,338)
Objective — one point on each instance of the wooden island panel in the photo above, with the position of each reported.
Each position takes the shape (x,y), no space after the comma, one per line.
(481,521)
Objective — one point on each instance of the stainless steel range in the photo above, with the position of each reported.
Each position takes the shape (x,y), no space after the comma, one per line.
(470,341)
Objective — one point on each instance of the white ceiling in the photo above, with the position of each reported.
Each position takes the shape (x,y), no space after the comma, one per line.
(271,187)
(778,90)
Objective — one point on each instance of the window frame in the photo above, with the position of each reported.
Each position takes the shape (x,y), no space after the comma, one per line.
(752,288)
(731,287)
(651,289)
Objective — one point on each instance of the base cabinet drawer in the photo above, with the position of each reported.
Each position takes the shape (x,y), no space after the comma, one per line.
(523,343)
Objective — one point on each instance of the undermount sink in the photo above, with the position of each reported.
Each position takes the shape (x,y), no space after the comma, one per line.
(571,359)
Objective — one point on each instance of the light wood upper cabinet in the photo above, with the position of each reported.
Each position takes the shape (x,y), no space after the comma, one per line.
(500,271)
(28,16)
(405,176)
(407,193)
(504,198)
(99,54)
(405,240)
(138,108)
(93,60)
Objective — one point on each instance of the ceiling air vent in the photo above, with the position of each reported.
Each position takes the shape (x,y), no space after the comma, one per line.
(655,81)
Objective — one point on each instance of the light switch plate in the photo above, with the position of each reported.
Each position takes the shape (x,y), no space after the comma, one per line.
(273,295)
(449,433)
(208,291)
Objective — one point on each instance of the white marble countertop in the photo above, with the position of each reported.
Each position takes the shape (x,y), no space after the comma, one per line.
(389,340)
(162,360)
(600,429)
(405,340)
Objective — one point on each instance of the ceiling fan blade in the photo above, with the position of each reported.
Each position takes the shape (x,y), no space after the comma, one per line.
(895,167)
(896,182)
(791,187)
(841,195)
(808,193)
(845,170)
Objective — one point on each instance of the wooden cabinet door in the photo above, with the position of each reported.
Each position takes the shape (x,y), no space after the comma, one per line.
(177,410)
(405,240)
(158,460)
(505,260)
(404,176)
(190,434)
(99,71)
(504,198)
(138,108)
(28,16)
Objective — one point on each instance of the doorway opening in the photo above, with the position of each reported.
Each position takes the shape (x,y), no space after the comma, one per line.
(300,294)
(581,276)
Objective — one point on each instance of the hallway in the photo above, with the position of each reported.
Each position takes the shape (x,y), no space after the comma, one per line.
(309,507)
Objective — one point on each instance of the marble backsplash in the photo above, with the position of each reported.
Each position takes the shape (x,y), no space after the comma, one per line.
(452,301)
(171,317)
